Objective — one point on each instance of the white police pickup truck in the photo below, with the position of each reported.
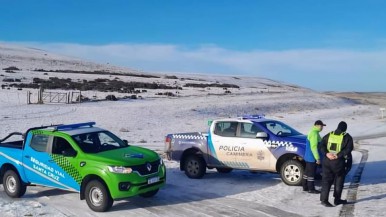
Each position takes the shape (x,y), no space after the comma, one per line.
(250,142)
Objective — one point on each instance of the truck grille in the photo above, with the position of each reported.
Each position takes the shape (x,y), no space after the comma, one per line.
(143,169)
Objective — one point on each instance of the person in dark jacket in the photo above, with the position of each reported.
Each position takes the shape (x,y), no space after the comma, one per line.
(335,148)
(347,167)
(312,158)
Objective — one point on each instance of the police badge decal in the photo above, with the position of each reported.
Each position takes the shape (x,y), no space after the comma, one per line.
(260,155)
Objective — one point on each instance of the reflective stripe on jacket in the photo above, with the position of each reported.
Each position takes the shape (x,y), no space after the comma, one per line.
(334,144)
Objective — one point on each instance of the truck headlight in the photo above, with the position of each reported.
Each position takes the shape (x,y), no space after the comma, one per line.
(161,161)
(120,169)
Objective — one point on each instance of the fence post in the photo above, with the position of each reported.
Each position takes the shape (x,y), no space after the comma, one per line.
(28,97)
(40,96)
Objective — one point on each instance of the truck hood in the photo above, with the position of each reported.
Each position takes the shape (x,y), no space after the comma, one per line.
(129,156)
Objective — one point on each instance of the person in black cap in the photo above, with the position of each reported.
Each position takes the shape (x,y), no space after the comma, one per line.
(335,147)
(312,157)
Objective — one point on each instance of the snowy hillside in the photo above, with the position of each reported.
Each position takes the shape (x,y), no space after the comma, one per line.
(31,63)
(32,58)
(193,100)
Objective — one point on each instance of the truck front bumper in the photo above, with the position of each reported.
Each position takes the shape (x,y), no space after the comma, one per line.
(125,186)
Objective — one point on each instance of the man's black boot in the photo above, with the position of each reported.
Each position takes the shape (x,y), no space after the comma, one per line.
(339,201)
(314,191)
(326,204)
(304,183)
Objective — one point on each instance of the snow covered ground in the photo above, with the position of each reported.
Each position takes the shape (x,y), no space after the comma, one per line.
(145,123)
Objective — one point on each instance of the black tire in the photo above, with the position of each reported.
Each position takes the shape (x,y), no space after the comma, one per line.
(224,170)
(149,193)
(12,184)
(97,196)
(23,190)
(194,166)
(291,172)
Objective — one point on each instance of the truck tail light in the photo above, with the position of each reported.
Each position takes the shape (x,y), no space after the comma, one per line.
(168,139)
(168,147)
(168,143)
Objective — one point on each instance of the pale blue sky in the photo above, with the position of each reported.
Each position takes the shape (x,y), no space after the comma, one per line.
(323,45)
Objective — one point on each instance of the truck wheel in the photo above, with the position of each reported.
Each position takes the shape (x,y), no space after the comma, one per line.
(194,166)
(291,172)
(224,170)
(97,196)
(12,184)
(149,193)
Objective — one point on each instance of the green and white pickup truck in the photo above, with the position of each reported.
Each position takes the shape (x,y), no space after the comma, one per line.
(81,158)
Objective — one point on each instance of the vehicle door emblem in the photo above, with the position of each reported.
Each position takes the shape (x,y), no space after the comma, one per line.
(148,166)
(260,155)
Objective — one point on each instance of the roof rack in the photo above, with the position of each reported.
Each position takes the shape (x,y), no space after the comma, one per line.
(259,116)
(74,126)
(9,135)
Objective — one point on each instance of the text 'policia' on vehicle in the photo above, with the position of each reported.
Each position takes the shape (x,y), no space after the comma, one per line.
(81,158)
(251,142)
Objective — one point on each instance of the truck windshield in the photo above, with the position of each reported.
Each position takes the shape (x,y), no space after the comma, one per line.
(280,129)
(96,142)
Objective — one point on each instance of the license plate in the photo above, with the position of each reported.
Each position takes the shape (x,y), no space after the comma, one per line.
(153,180)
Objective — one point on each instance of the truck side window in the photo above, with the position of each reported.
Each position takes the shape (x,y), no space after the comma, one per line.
(227,129)
(39,143)
(60,146)
(249,130)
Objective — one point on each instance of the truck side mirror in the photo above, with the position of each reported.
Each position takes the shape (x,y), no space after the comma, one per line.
(125,142)
(261,135)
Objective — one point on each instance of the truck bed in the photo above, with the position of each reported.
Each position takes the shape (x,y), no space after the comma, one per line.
(15,144)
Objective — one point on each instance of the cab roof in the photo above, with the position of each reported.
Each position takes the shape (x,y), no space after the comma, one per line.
(246,118)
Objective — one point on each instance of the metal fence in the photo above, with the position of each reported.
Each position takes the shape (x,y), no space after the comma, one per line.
(47,97)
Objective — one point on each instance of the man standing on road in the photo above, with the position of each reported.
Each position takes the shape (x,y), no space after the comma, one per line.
(312,157)
(335,147)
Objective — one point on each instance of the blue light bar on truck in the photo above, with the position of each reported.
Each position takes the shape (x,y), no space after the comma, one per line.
(74,126)
(261,116)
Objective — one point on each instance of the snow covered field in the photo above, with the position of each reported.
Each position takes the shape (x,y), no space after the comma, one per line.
(145,122)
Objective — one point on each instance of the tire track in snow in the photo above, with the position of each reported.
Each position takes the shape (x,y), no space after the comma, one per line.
(348,209)
(180,202)
(40,114)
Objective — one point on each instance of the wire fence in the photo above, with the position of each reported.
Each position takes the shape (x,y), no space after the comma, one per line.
(12,97)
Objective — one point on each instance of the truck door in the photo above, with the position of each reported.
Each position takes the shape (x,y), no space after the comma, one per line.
(44,165)
(257,154)
(224,145)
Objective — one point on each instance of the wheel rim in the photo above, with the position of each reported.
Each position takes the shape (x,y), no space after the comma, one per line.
(96,196)
(193,167)
(292,173)
(11,184)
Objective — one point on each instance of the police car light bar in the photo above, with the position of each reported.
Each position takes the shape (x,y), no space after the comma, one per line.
(261,116)
(74,126)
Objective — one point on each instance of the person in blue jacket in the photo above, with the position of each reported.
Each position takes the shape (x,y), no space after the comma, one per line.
(312,157)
